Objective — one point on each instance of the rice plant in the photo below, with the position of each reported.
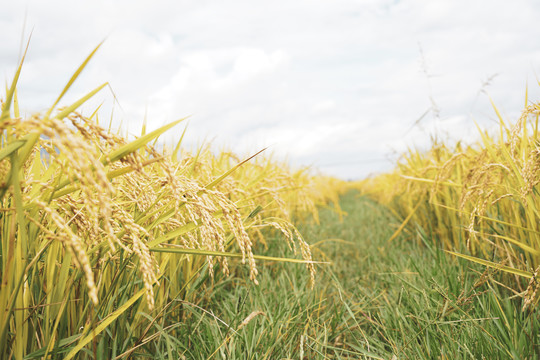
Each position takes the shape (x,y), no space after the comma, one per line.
(104,238)
(481,199)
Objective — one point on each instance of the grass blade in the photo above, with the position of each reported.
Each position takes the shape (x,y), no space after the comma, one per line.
(103,325)
(507,269)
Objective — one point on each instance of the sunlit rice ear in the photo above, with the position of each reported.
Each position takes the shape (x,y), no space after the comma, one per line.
(97,227)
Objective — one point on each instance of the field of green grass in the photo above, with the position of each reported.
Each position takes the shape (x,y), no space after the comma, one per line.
(376,300)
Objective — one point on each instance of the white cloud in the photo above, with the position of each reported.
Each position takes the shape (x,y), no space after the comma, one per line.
(335,84)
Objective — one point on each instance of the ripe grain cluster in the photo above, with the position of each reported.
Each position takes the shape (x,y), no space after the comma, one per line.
(478,201)
(101,234)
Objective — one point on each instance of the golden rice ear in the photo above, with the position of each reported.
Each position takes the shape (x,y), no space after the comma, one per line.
(482,197)
(530,297)
(93,222)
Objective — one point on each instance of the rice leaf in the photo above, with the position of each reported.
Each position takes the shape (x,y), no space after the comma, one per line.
(227,173)
(506,223)
(104,324)
(174,154)
(72,79)
(406,221)
(39,354)
(230,255)
(430,181)
(507,269)
(138,143)
(11,148)
(62,114)
(515,242)
(11,91)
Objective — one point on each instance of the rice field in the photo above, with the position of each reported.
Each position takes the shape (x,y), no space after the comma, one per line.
(115,247)
(479,201)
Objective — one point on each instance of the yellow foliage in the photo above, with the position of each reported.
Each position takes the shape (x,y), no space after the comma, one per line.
(482,197)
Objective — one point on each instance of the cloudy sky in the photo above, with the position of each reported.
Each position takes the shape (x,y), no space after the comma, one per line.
(338,85)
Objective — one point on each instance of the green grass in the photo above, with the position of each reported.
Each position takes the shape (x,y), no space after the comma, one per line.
(376,300)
